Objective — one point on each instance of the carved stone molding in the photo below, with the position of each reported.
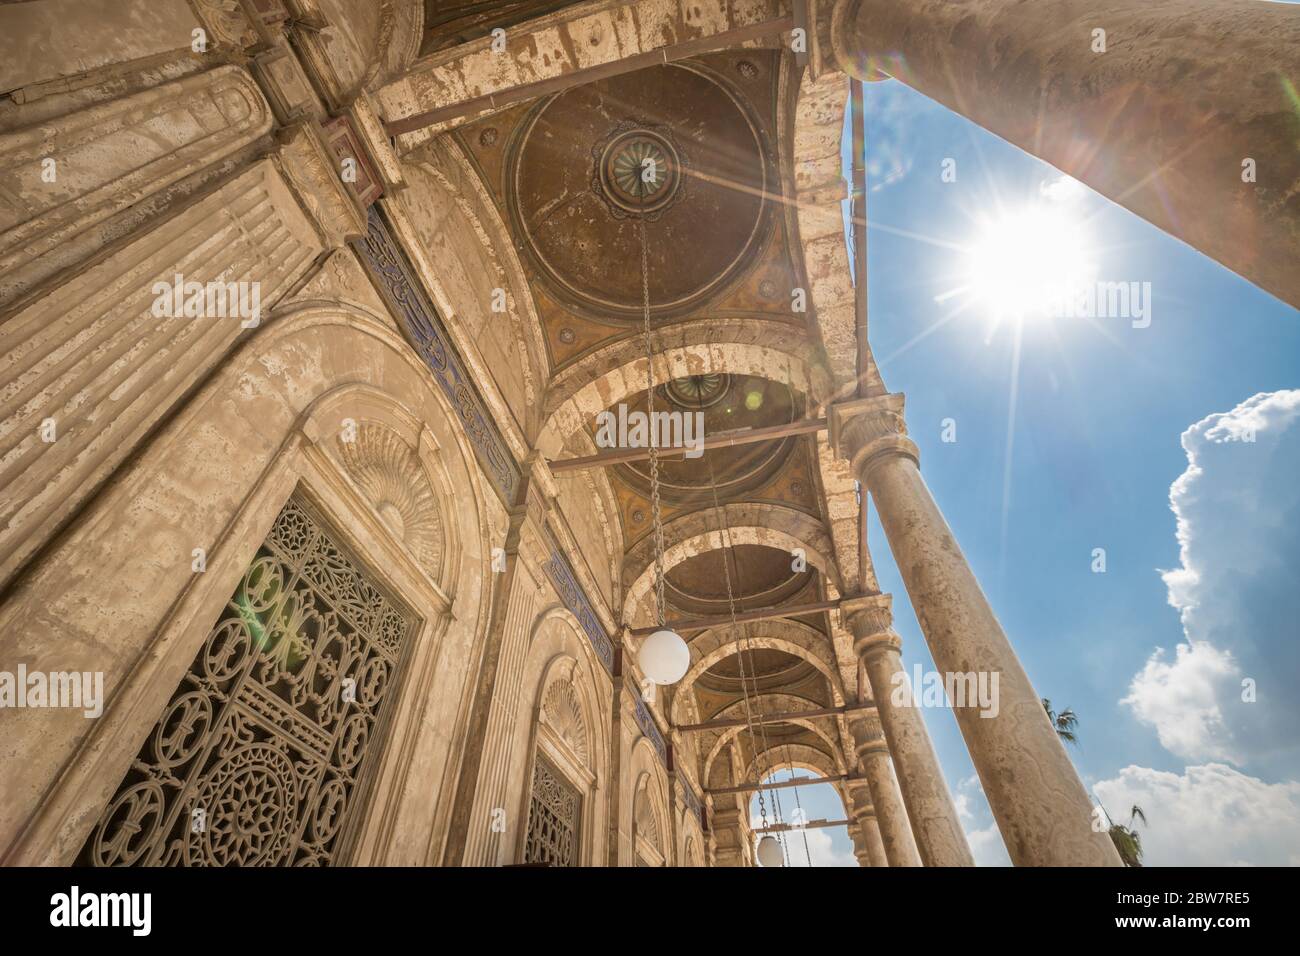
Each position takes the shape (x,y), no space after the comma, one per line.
(346,145)
(312,169)
(562,711)
(645,820)
(870,618)
(391,270)
(108,158)
(285,85)
(93,358)
(868,735)
(226,22)
(389,473)
(868,430)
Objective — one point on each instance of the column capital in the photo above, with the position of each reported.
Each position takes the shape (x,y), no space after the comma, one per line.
(870,618)
(868,734)
(868,430)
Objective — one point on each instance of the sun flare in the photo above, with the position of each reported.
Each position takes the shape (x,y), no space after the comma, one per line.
(1025,263)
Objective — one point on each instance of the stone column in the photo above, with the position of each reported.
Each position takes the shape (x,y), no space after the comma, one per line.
(873,757)
(865,830)
(1159,114)
(1040,805)
(939,835)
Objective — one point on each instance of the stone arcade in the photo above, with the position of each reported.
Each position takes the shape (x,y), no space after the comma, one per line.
(276,539)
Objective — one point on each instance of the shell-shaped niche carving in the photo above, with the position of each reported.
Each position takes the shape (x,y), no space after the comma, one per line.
(390,475)
(563,713)
(643,816)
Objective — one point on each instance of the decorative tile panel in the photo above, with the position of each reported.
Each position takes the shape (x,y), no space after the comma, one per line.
(405,295)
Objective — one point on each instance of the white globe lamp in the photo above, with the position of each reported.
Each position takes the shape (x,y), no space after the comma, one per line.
(664,657)
(769,852)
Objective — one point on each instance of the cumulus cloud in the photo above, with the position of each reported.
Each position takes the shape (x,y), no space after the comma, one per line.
(1210,815)
(1238,525)
(976,818)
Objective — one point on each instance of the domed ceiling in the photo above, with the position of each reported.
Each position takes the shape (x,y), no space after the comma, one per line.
(683,151)
(673,145)
(689,142)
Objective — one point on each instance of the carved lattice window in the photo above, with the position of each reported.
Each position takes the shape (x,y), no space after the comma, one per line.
(257,758)
(553,816)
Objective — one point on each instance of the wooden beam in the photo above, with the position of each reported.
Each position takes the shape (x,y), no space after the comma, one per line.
(761,614)
(639,61)
(790,827)
(745,436)
(784,784)
(771,718)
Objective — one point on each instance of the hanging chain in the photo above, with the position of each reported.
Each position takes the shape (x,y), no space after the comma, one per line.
(803,828)
(650,409)
(743,641)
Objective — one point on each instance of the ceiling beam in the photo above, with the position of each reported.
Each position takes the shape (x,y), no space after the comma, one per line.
(772,718)
(810,825)
(745,436)
(784,784)
(761,614)
(527,91)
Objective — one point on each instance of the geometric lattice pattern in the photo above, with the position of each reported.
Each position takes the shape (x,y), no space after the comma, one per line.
(256,758)
(553,816)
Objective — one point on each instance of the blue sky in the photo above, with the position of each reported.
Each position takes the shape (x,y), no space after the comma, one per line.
(1100,413)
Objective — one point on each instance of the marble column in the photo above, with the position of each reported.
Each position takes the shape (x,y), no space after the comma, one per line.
(864,829)
(939,836)
(1158,114)
(1041,807)
(873,757)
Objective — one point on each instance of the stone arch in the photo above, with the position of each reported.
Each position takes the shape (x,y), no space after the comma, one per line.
(759,523)
(692,855)
(770,703)
(611,374)
(214,476)
(565,709)
(649,832)
(792,637)
(392,459)
(802,756)
(563,720)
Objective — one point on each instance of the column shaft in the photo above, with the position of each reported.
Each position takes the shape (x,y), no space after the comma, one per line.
(938,831)
(873,757)
(1041,807)
(1160,119)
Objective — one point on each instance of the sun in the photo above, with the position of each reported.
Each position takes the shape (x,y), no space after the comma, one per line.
(1025,264)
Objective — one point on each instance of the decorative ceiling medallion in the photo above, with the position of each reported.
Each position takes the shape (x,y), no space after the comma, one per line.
(567,335)
(698,391)
(708,181)
(638,171)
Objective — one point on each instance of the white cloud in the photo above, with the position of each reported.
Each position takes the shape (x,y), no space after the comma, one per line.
(1209,815)
(976,817)
(1063,189)
(1238,512)
(821,850)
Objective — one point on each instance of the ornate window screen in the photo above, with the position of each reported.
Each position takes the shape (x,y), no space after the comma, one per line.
(256,759)
(554,813)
